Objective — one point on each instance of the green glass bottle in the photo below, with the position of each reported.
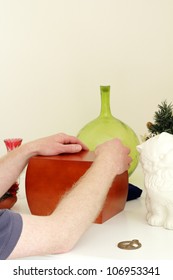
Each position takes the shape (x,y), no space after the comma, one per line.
(106,127)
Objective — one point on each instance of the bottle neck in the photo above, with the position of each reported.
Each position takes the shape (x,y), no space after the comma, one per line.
(105,101)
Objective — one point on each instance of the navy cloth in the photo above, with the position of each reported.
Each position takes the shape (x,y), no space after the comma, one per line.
(10,231)
(133,192)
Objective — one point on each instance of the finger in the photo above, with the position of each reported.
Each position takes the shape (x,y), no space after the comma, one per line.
(84,147)
(75,140)
(71,148)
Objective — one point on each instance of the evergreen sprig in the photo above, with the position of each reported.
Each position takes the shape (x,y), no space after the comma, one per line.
(163,120)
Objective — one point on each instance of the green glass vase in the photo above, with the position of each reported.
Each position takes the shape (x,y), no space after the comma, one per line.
(106,127)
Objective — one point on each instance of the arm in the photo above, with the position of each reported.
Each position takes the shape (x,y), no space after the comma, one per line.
(12,164)
(60,231)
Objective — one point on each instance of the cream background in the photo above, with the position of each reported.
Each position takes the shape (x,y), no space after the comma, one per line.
(55,54)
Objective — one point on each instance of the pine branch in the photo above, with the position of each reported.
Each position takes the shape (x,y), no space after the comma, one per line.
(163,120)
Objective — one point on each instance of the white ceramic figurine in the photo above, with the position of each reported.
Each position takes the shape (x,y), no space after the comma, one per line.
(156,157)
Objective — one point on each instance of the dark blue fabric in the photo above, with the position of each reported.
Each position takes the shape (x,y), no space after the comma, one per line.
(133,192)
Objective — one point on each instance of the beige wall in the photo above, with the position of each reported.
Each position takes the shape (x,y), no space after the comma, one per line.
(54,55)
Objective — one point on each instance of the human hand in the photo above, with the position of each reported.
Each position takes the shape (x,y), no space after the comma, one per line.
(57,144)
(115,154)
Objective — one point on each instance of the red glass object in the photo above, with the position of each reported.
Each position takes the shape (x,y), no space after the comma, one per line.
(13,143)
(10,197)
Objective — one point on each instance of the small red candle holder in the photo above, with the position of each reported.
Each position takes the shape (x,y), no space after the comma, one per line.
(12,143)
(10,197)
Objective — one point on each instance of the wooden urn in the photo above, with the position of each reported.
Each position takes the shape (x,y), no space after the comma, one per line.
(49,178)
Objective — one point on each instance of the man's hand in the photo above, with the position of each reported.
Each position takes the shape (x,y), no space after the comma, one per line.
(57,144)
(115,154)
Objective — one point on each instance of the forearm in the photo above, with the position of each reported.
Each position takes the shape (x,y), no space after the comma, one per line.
(12,164)
(80,207)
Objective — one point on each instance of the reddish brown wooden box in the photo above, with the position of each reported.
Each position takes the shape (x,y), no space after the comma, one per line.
(48,178)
